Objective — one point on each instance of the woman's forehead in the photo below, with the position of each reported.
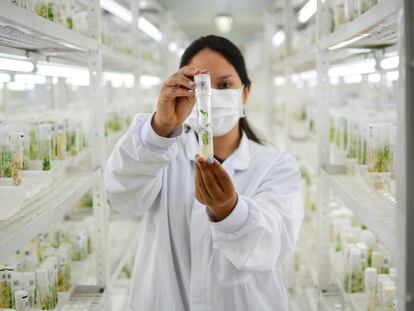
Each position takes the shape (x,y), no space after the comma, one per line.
(217,64)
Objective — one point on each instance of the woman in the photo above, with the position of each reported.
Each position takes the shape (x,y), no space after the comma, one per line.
(217,231)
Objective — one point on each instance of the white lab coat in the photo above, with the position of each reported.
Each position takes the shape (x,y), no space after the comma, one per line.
(184,260)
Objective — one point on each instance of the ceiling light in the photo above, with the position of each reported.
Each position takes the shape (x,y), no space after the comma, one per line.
(312,83)
(14,56)
(392,75)
(149,28)
(374,78)
(33,79)
(18,86)
(278,38)
(348,42)
(118,79)
(224,23)
(15,65)
(358,51)
(74,75)
(307,11)
(334,80)
(390,63)
(148,81)
(172,46)
(308,75)
(123,13)
(180,52)
(118,10)
(362,67)
(353,79)
(77,81)
(279,81)
(4,77)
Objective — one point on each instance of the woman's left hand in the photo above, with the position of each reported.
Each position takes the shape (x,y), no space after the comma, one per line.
(214,188)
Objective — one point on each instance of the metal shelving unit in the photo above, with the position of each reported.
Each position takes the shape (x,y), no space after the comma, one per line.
(24,34)
(377,30)
(42,210)
(117,59)
(376,210)
(22,29)
(302,60)
(127,250)
(305,151)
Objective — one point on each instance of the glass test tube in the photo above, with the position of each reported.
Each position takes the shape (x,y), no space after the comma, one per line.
(16,143)
(29,285)
(21,300)
(370,287)
(45,146)
(203,102)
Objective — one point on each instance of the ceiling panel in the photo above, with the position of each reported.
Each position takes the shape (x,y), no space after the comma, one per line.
(196,17)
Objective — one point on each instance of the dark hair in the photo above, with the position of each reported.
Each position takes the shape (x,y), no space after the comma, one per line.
(234,56)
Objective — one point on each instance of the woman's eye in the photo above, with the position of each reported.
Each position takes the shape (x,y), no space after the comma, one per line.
(225,85)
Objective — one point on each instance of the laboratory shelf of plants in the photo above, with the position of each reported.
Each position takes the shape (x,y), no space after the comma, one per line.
(342,126)
(59,30)
(71,80)
(44,273)
(39,194)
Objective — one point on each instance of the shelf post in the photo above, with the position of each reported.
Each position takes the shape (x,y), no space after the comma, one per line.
(170,61)
(269,23)
(405,163)
(322,120)
(136,47)
(100,206)
(288,70)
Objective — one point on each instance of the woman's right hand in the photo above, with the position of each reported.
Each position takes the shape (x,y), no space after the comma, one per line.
(175,102)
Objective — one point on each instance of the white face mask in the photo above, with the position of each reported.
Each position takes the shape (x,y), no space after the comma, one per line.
(226,110)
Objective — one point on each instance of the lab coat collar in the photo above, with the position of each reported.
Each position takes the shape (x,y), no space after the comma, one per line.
(238,160)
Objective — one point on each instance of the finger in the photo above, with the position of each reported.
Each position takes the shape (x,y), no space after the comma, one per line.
(222,176)
(174,92)
(179,79)
(200,184)
(210,181)
(199,196)
(188,71)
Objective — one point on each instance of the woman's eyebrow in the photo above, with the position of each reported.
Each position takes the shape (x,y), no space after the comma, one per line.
(225,77)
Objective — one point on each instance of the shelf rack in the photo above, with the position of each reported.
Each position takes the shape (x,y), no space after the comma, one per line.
(300,60)
(28,36)
(379,24)
(305,151)
(376,210)
(127,250)
(375,30)
(36,35)
(25,30)
(116,59)
(42,210)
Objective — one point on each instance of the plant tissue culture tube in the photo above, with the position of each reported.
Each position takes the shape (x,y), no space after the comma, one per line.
(203,102)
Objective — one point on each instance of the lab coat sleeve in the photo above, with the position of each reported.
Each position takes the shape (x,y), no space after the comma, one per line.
(133,172)
(262,230)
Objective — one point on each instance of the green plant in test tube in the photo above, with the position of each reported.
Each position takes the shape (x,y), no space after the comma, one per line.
(34,142)
(380,151)
(45,146)
(205,135)
(203,102)
(6,157)
(41,8)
